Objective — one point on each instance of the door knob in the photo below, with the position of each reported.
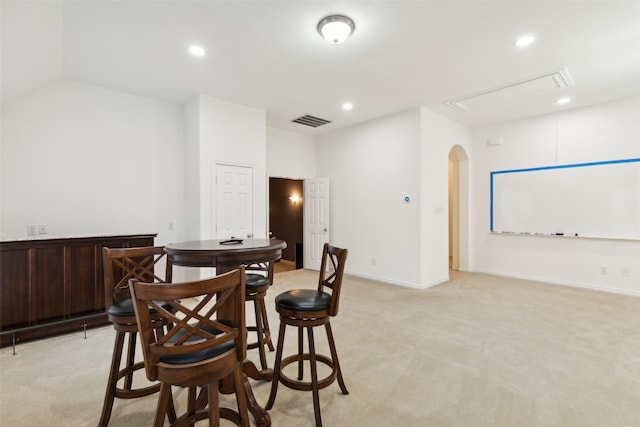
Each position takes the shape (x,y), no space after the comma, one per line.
(325,230)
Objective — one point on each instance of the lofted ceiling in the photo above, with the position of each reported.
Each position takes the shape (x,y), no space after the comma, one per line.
(269,55)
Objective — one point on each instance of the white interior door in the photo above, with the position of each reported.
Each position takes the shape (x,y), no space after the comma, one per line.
(316,220)
(234,201)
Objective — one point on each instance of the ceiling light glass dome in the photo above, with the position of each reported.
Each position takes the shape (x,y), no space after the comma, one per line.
(336,28)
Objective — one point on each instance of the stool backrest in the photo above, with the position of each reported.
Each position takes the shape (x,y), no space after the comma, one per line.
(331,272)
(266,268)
(121,264)
(199,327)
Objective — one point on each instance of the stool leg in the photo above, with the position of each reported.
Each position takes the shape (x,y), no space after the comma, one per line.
(277,367)
(265,322)
(163,404)
(191,403)
(171,411)
(334,357)
(110,394)
(257,305)
(214,404)
(300,353)
(314,377)
(131,354)
(241,398)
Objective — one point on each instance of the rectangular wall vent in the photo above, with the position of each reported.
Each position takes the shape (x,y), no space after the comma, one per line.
(522,88)
(312,121)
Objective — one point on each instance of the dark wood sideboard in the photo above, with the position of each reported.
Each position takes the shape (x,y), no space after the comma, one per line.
(51,286)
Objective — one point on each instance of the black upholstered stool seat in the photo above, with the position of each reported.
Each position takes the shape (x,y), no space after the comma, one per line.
(124,308)
(198,356)
(254,280)
(304,300)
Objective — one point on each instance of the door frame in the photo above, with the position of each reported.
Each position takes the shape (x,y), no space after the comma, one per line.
(458,190)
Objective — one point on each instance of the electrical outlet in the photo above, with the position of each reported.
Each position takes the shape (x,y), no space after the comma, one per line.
(603,270)
(32,229)
(626,272)
(42,229)
(373,261)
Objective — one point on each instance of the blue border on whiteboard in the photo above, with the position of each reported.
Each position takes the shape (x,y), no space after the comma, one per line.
(576,165)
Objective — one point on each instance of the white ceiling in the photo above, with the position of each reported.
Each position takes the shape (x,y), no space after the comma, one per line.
(268,54)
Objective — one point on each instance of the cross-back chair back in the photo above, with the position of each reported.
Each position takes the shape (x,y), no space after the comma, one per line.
(263,268)
(122,264)
(119,266)
(205,343)
(331,272)
(192,309)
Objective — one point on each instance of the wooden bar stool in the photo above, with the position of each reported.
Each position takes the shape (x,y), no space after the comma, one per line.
(259,278)
(120,265)
(306,309)
(202,346)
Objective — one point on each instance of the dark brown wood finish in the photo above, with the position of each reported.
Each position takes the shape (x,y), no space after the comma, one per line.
(199,349)
(259,280)
(211,253)
(51,286)
(307,309)
(119,266)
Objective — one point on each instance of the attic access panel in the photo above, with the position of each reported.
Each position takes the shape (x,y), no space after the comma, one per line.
(516,90)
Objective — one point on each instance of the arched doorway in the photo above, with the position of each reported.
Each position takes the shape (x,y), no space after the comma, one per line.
(458,209)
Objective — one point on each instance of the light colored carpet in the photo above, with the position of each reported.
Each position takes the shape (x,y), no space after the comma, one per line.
(477,351)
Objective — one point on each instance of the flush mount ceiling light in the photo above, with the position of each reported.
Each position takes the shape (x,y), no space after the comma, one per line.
(563,100)
(336,28)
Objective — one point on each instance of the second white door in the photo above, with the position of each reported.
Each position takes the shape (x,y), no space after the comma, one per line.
(234,201)
(316,220)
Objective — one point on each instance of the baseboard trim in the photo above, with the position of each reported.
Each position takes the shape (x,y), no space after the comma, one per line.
(399,283)
(561,283)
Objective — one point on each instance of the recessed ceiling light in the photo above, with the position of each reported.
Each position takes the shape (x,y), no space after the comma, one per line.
(196,51)
(564,101)
(347,106)
(525,41)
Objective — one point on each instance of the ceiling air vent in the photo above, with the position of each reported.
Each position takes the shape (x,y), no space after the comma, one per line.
(521,89)
(312,121)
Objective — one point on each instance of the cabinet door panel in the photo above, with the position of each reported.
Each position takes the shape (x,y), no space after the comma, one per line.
(14,288)
(49,297)
(82,284)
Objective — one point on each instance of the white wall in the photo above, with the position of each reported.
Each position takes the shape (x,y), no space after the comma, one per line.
(84,160)
(603,132)
(438,136)
(191,120)
(372,167)
(231,134)
(290,154)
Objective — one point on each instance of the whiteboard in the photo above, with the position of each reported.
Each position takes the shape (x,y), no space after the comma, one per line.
(599,199)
